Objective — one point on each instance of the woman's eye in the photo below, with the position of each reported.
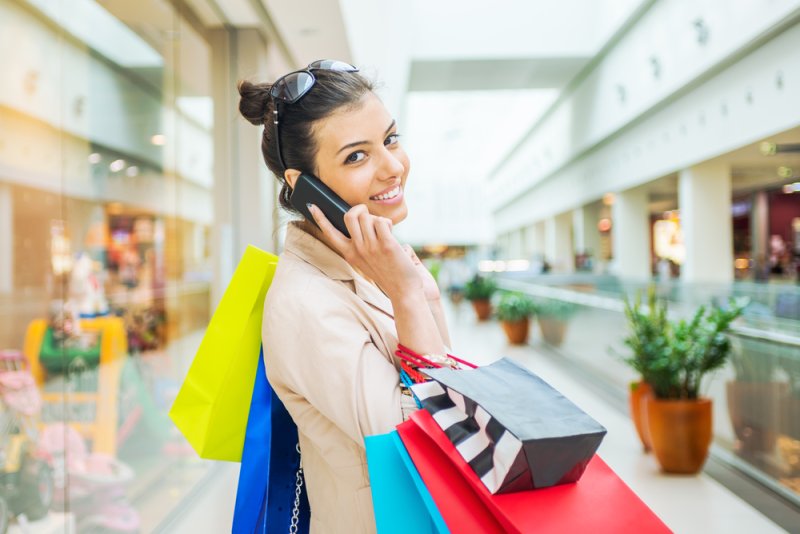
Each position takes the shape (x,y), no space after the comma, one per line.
(392,139)
(355,157)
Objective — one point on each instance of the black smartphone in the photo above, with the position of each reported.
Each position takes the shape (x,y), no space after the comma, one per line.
(308,189)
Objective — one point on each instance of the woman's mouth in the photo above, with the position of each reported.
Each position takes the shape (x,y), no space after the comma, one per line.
(391,196)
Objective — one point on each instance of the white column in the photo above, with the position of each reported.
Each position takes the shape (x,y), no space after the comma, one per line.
(537,237)
(244,191)
(516,245)
(588,216)
(759,228)
(6,240)
(704,200)
(558,243)
(630,234)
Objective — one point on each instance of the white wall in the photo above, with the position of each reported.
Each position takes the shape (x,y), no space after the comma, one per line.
(714,117)
(593,141)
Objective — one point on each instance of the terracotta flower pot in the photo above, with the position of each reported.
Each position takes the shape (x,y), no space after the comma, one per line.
(552,330)
(516,331)
(640,392)
(680,432)
(483,308)
(754,409)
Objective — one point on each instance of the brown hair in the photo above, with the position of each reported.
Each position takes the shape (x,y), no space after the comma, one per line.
(332,91)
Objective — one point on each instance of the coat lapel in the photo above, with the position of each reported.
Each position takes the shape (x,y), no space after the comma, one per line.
(317,253)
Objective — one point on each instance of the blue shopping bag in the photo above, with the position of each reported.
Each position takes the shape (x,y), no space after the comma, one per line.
(266,492)
(401,502)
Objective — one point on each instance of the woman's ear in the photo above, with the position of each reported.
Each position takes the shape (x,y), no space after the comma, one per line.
(290,175)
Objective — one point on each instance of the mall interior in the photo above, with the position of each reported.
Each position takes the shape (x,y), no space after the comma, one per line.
(578,154)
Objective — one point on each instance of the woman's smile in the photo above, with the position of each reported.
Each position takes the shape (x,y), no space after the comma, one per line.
(393,195)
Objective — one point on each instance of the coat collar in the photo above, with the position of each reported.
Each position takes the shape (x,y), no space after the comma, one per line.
(314,252)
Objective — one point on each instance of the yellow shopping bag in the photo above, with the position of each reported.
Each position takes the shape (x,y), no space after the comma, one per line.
(213,403)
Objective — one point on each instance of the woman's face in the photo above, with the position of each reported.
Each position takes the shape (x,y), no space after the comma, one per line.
(360,158)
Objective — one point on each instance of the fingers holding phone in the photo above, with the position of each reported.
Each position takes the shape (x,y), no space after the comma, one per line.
(372,249)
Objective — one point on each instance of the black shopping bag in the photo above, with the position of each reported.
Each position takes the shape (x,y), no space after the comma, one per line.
(513,429)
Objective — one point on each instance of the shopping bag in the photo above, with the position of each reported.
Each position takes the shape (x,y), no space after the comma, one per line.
(600,502)
(397,487)
(512,428)
(265,494)
(212,405)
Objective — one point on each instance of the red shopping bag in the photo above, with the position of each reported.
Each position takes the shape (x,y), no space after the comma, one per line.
(600,502)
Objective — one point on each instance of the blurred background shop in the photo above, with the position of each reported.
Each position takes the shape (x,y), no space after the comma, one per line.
(576,151)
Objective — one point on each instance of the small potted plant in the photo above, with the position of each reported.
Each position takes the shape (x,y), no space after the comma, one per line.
(514,311)
(754,397)
(678,418)
(553,316)
(479,291)
(647,343)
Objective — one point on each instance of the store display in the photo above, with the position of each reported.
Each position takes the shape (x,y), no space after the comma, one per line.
(26,477)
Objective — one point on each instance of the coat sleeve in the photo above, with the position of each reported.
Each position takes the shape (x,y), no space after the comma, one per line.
(320,352)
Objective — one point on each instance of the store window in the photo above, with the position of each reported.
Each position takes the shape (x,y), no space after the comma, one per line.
(106,124)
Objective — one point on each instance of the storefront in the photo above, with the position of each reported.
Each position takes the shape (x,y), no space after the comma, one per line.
(106,214)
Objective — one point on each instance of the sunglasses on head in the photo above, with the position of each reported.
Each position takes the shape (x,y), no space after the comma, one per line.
(291,87)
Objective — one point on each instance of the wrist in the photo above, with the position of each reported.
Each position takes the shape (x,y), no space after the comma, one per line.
(409,299)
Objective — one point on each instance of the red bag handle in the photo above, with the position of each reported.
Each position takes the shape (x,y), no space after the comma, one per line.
(414,358)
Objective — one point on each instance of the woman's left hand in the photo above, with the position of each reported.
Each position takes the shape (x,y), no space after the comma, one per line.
(429,286)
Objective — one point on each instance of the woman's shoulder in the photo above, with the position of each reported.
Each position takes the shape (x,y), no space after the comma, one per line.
(301,288)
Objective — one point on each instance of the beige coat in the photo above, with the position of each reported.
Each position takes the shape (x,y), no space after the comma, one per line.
(329,339)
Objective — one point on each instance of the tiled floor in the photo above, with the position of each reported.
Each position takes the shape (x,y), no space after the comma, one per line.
(687,504)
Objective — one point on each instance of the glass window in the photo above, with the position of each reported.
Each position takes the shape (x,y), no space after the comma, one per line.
(106,124)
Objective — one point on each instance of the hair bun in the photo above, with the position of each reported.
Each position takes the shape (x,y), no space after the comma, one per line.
(254,101)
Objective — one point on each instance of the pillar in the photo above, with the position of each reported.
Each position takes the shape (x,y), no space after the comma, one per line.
(704,199)
(244,191)
(558,243)
(6,240)
(759,229)
(630,234)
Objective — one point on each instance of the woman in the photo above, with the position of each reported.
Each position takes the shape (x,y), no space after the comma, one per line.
(338,306)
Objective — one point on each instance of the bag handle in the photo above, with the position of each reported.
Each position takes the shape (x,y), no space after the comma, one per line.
(408,355)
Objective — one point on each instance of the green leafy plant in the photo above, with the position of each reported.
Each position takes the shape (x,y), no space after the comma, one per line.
(514,306)
(647,339)
(673,357)
(479,288)
(555,309)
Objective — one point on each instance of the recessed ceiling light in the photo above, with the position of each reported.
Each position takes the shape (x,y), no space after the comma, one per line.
(159,139)
(785,172)
(768,148)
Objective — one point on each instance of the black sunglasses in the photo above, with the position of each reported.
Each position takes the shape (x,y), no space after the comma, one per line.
(291,87)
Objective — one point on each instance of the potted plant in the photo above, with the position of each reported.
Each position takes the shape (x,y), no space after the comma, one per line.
(479,291)
(754,397)
(514,311)
(646,341)
(679,420)
(553,316)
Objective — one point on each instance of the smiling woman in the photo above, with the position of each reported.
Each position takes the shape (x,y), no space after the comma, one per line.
(338,307)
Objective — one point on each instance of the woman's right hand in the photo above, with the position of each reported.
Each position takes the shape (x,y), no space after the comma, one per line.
(373,250)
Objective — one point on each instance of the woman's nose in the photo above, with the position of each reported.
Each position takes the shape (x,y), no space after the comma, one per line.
(392,167)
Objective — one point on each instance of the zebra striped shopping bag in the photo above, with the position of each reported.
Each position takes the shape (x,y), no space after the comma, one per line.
(514,430)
